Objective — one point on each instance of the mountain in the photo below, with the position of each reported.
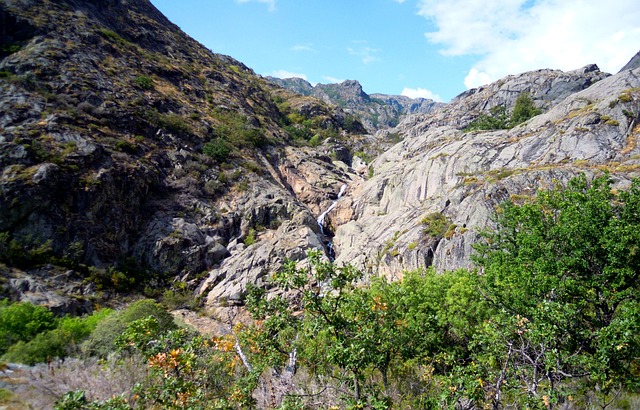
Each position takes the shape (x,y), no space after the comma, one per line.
(133,158)
(375,111)
(589,124)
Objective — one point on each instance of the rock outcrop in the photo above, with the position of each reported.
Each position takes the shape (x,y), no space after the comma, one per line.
(589,125)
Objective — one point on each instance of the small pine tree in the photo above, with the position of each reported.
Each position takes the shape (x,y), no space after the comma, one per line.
(523,109)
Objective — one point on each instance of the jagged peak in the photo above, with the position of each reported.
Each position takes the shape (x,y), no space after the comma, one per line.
(632,64)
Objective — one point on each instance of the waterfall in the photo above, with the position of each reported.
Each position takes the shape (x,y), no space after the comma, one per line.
(323,215)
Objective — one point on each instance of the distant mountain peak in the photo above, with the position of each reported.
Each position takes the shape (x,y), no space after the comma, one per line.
(375,111)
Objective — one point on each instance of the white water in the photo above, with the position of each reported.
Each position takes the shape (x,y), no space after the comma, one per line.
(323,215)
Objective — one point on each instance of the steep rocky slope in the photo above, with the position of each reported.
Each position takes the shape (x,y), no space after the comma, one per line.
(589,124)
(376,111)
(132,156)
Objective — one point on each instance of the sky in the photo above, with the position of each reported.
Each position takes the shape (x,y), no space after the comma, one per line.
(419,48)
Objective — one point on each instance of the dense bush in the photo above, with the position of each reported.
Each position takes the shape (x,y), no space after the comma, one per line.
(144,82)
(58,339)
(101,341)
(218,149)
(523,109)
(21,322)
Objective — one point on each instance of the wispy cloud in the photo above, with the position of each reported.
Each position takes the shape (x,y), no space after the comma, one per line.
(512,36)
(308,47)
(399,1)
(332,80)
(420,93)
(270,3)
(362,50)
(288,74)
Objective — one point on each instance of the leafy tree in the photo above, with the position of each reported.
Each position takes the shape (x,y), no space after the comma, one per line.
(22,322)
(101,341)
(498,118)
(55,343)
(563,272)
(523,109)
(360,332)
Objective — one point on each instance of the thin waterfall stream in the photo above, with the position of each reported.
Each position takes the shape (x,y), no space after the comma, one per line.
(321,219)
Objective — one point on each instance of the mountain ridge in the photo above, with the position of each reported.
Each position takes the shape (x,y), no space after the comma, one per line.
(376,111)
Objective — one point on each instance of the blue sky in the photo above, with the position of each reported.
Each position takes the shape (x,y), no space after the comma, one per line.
(429,48)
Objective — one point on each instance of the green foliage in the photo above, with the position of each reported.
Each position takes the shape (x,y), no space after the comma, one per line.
(101,341)
(9,48)
(25,253)
(563,272)
(299,133)
(113,36)
(358,332)
(218,149)
(21,322)
(237,131)
(73,400)
(175,123)
(438,226)
(523,109)
(250,239)
(126,146)
(42,348)
(112,279)
(144,82)
(33,335)
(77,400)
(498,118)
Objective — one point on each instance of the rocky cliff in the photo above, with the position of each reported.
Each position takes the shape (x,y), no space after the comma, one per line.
(131,157)
(589,125)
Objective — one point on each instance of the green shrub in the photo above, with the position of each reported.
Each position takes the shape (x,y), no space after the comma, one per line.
(101,342)
(126,146)
(498,119)
(73,400)
(22,322)
(438,226)
(250,239)
(625,98)
(56,343)
(218,149)
(523,109)
(143,82)
(175,123)
(42,348)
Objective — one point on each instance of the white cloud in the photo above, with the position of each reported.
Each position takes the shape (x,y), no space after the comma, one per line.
(364,52)
(303,48)
(420,93)
(512,36)
(270,3)
(287,74)
(332,80)
(399,1)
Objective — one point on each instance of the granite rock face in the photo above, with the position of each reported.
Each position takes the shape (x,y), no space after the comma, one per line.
(589,124)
